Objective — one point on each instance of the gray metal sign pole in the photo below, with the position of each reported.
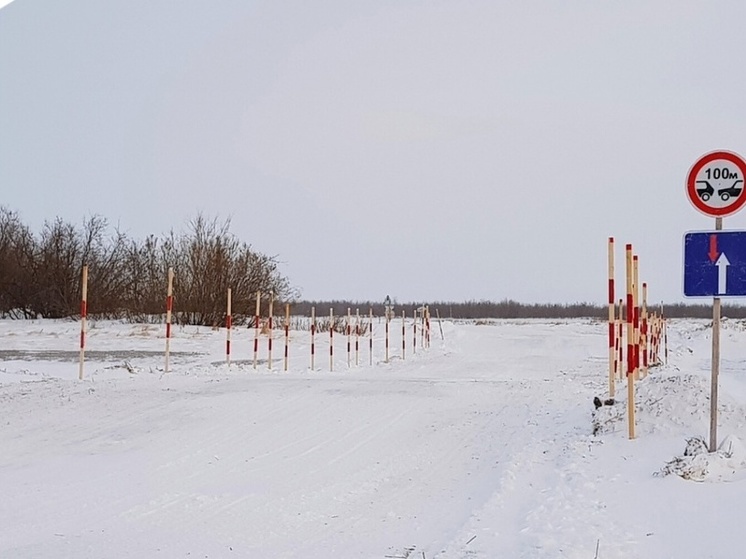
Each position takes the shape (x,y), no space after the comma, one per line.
(715,362)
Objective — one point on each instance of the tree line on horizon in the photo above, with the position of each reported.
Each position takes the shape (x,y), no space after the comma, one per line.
(507,308)
(40,276)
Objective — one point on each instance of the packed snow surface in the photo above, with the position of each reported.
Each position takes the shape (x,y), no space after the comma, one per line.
(484,445)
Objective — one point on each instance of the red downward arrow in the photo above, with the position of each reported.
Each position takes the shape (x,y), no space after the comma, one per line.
(713,254)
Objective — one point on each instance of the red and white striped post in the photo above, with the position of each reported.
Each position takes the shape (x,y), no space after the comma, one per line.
(331,339)
(169,309)
(256,326)
(287,334)
(630,346)
(357,337)
(83,318)
(370,336)
(387,337)
(404,334)
(427,325)
(644,329)
(611,318)
(414,335)
(271,330)
(665,337)
(313,336)
(228,325)
(620,339)
(422,328)
(349,338)
(636,316)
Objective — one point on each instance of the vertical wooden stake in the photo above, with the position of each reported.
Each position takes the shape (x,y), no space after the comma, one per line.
(644,330)
(404,334)
(370,336)
(331,339)
(414,335)
(349,338)
(357,337)
(630,347)
(169,309)
(612,333)
(636,306)
(271,330)
(228,324)
(83,318)
(387,337)
(620,337)
(313,336)
(287,334)
(427,324)
(257,318)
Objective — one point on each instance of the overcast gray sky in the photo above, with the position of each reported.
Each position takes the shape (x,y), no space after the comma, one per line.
(426,149)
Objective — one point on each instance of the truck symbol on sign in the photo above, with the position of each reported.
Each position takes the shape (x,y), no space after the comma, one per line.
(706,192)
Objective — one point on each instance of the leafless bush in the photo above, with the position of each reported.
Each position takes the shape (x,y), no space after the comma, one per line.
(127,278)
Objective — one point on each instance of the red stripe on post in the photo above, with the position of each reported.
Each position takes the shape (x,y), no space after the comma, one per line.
(83,309)
(630,344)
(82,340)
(168,330)
(611,291)
(228,322)
(169,302)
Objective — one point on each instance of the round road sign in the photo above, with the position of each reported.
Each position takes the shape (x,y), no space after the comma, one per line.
(715,184)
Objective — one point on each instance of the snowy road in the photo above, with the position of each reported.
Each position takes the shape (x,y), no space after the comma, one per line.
(479,447)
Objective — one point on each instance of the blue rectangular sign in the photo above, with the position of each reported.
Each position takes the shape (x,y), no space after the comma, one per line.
(715,264)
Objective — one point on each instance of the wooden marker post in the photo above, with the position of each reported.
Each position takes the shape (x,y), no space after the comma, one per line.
(313,336)
(644,338)
(357,337)
(612,333)
(387,338)
(228,330)
(287,334)
(636,316)
(630,346)
(257,318)
(404,334)
(620,340)
(271,331)
(349,338)
(331,339)
(414,335)
(370,337)
(169,309)
(427,324)
(83,318)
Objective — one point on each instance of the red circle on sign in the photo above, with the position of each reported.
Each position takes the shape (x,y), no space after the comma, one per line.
(729,196)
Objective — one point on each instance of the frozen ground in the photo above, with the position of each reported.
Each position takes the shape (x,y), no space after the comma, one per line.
(481,446)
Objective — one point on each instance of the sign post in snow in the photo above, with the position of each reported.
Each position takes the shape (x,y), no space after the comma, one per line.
(714,186)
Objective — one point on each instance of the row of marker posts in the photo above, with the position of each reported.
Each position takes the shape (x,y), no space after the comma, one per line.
(422,315)
(646,334)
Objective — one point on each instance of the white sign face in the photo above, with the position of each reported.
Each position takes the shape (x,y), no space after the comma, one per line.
(715,184)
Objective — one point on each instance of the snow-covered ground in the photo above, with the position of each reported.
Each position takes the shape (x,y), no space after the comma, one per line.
(481,446)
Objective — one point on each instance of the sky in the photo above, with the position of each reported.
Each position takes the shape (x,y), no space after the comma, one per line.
(426,150)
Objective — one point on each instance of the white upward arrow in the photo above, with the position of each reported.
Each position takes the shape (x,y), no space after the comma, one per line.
(722,264)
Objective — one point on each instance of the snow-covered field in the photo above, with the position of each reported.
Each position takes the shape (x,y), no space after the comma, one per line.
(481,446)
